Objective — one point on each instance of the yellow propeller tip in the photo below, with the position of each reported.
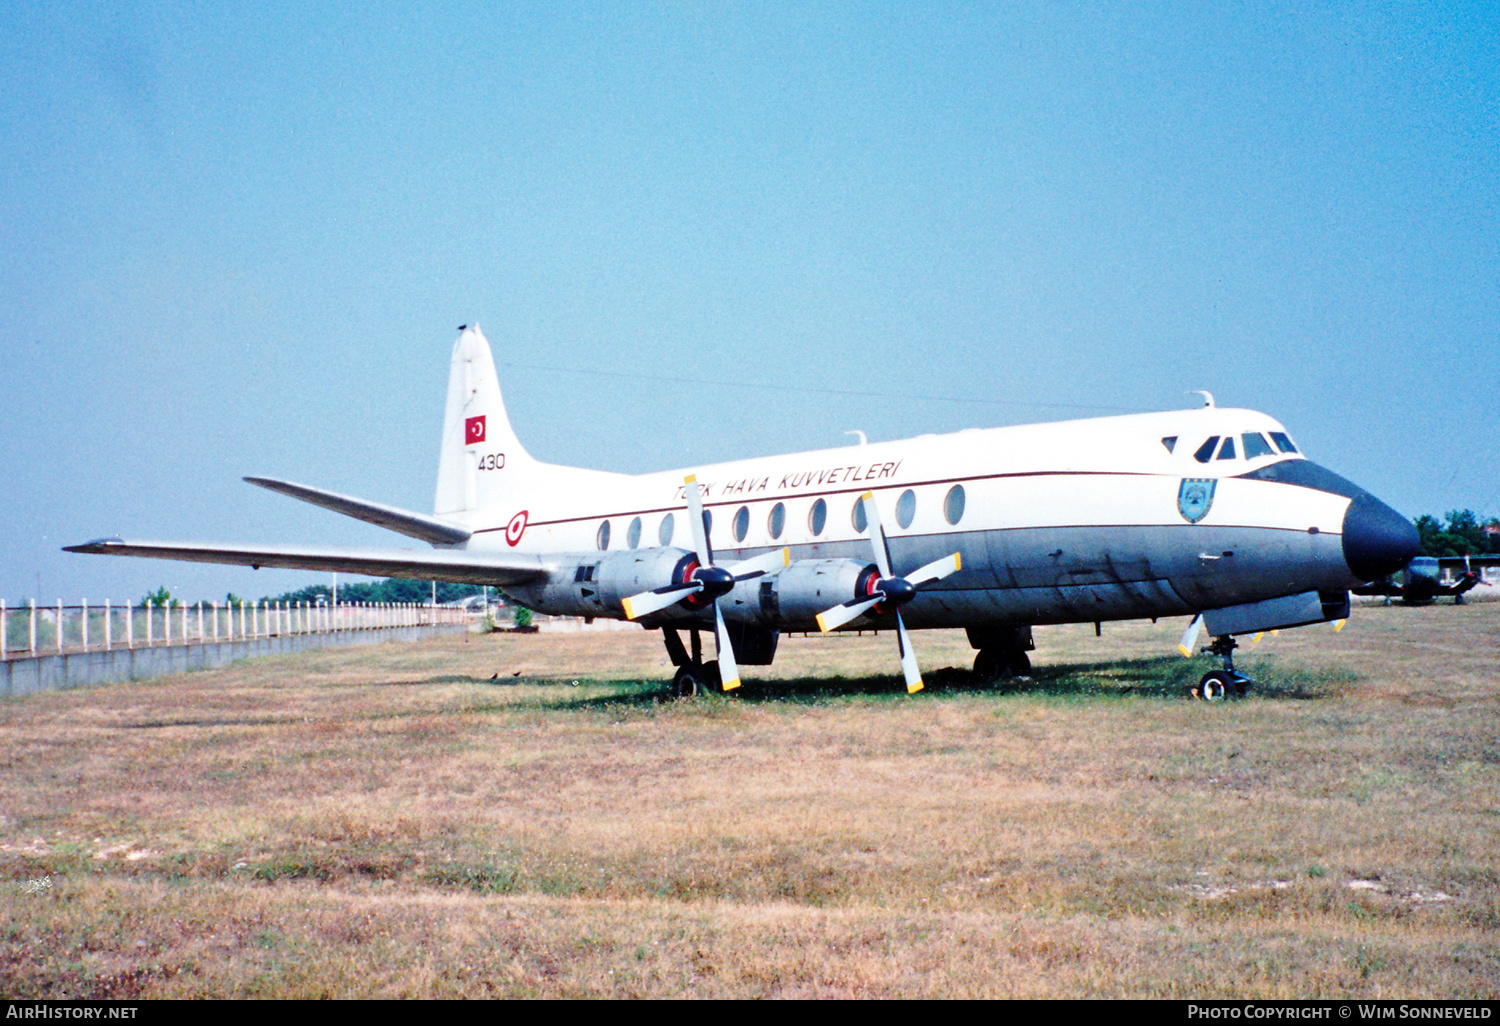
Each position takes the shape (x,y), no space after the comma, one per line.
(730,685)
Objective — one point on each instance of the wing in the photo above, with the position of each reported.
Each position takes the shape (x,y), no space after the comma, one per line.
(416,525)
(440,565)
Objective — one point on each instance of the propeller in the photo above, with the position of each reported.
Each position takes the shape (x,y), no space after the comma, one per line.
(709,582)
(891,590)
(1190,636)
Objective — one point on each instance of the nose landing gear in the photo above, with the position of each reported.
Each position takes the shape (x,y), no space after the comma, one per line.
(1218,685)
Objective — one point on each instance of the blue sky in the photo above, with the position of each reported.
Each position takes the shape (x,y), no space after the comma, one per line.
(239,240)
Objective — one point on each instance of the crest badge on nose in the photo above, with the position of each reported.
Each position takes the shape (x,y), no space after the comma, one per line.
(1194,497)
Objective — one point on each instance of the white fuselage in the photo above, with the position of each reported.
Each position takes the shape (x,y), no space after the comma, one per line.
(1078,520)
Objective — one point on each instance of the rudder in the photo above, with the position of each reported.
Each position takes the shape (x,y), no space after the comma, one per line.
(480,457)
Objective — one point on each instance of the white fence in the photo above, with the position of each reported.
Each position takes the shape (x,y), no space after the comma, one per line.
(33,630)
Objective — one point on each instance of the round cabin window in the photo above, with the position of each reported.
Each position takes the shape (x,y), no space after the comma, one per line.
(953,505)
(817,518)
(906,508)
(776,522)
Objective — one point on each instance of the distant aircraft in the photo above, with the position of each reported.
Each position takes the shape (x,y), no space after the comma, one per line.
(1208,513)
(1421,582)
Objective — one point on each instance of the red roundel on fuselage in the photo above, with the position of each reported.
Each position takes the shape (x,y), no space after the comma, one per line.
(515,529)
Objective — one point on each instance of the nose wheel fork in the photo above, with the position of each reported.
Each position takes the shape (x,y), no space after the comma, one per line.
(1218,685)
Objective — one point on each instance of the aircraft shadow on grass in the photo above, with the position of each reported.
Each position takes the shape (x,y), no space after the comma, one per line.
(1162,677)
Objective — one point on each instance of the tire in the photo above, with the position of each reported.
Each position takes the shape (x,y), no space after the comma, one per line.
(993,665)
(1216,686)
(709,680)
(686,683)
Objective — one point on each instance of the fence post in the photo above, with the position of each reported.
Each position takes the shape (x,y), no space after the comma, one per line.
(59,625)
(83,632)
(4,623)
(33,626)
(129,625)
(109,634)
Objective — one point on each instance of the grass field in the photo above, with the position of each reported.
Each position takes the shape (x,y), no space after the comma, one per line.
(388,821)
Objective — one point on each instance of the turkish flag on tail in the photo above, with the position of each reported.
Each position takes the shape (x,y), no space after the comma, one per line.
(473,430)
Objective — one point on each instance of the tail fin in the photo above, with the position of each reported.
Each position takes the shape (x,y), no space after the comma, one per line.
(481,459)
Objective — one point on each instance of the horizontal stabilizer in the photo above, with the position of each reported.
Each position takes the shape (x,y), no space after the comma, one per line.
(415,525)
(427,565)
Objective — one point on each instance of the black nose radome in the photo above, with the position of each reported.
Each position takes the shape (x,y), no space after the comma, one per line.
(1377,540)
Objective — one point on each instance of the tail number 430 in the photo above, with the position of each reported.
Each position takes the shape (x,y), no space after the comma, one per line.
(492,461)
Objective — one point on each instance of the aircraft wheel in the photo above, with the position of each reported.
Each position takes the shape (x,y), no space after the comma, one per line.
(709,678)
(1215,686)
(687,683)
(997,664)
(988,666)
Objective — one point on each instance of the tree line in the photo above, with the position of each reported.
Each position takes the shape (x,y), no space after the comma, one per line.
(388,591)
(1461,532)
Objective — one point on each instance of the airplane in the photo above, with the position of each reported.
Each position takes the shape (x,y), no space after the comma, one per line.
(1421,582)
(1210,513)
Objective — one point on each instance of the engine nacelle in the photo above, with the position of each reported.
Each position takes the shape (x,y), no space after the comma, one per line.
(793,598)
(599,586)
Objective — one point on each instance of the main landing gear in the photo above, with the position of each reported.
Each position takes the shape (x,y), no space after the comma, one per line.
(996,664)
(694,677)
(1218,685)
(1002,653)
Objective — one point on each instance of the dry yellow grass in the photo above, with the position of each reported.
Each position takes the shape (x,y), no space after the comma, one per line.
(389,822)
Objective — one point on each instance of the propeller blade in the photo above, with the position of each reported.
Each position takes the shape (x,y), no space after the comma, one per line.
(695,522)
(936,570)
(908,658)
(877,534)
(761,565)
(1190,636)
(658,598)
(729,670)
(832,619)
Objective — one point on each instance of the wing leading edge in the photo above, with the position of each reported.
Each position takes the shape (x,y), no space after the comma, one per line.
(415,525)
(441,565)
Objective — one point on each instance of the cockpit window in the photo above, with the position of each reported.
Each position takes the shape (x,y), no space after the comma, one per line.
(1307,475)
(1170,442)
(1282,442)
(1226,451)
(1255,445)
(1206,450)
